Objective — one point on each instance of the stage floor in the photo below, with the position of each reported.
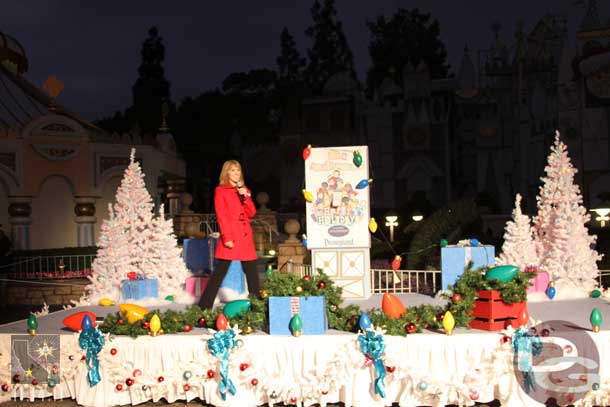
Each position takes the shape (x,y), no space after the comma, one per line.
(428,368)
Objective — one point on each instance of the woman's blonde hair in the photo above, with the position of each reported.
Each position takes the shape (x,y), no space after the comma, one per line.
(223,179)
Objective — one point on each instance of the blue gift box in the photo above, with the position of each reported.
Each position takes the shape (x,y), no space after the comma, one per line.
(138,289)
(455,258)
(312,311)
(199,255)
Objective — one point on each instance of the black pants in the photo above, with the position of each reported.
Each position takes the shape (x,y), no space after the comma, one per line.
(207,299)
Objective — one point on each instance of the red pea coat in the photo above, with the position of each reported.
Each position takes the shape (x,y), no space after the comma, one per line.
(234,219)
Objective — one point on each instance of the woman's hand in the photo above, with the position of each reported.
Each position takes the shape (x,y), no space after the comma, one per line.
(229,244)
(243,191)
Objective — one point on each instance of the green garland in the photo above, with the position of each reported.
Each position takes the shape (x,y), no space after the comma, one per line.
(339,318)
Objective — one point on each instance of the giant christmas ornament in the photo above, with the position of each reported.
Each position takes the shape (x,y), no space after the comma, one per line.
(364,183)
(392,306)
(551,291)
(503,273)
(132,312)
(373,225)
(32,324)
(364,321)
(596,320)
(357,158)
(74,321)
(448,323)
(236,308)
(307,152)
(308,196)
(155,325)
(396,262)
(221,322)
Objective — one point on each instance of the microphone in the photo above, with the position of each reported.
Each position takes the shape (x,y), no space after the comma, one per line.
(238,185)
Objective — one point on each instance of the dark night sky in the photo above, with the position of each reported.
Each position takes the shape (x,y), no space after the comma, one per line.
(93,47)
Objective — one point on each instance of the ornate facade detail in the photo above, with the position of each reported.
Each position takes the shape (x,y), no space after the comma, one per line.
(9,160)
(19,209)
(56,152)
(84,209)
(59,127)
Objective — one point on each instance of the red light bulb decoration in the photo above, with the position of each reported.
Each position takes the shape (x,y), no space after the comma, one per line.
(221,322)
(307,152)
(396,262)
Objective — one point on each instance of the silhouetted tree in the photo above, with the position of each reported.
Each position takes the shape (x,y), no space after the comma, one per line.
(151,89)
(409,36)
(330,52)
(254,82)
(290,64)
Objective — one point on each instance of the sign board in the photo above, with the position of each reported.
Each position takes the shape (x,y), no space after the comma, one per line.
(339,214)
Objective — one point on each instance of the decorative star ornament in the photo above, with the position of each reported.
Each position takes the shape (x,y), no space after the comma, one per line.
(28,372)
(45,350)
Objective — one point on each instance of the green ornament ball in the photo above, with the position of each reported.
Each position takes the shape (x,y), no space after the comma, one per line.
(444,243)
(169,298)
(596,293)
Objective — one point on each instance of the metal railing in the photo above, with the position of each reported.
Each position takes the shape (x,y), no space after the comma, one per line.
(44,267)
(296,268)
(602,274)
(405,281)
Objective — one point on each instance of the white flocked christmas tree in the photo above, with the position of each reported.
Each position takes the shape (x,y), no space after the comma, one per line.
(563,242)
(518,248)
(132,239)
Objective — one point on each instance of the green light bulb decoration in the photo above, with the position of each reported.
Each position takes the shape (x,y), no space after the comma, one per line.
(32,324)
(596,320)
(269,271)
(296,325)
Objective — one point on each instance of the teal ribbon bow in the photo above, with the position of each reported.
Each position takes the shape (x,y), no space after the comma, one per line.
(525,347)
(219,346)
(92,341)
(373,347)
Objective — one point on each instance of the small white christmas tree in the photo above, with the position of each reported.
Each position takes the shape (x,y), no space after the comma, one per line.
(133,240)
(518,248)
(564,244)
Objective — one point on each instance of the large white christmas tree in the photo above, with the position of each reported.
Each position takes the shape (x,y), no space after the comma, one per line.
(563,242)
(518,248)
(133,240)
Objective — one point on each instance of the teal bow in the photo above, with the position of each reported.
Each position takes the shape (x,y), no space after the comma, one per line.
(92,341)
(373,347)
(525,347)
(219,346)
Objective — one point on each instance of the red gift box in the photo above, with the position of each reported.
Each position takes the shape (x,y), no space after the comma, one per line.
(492,314)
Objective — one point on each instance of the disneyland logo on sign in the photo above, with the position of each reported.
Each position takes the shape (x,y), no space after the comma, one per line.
(556,361)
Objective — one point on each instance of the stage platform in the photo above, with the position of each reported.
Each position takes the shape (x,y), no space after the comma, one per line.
(428,368)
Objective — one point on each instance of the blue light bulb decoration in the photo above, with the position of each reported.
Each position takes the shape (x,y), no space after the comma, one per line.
(551,291)
(87,323)
(474,242)
(304,240)
(364,321)
(363,183)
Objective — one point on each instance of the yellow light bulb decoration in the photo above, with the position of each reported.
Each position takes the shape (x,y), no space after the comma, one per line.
(448,322)
(308,196)
(373,225)
(155,325)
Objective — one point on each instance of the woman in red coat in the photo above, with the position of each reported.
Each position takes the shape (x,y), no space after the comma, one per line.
(234,211)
